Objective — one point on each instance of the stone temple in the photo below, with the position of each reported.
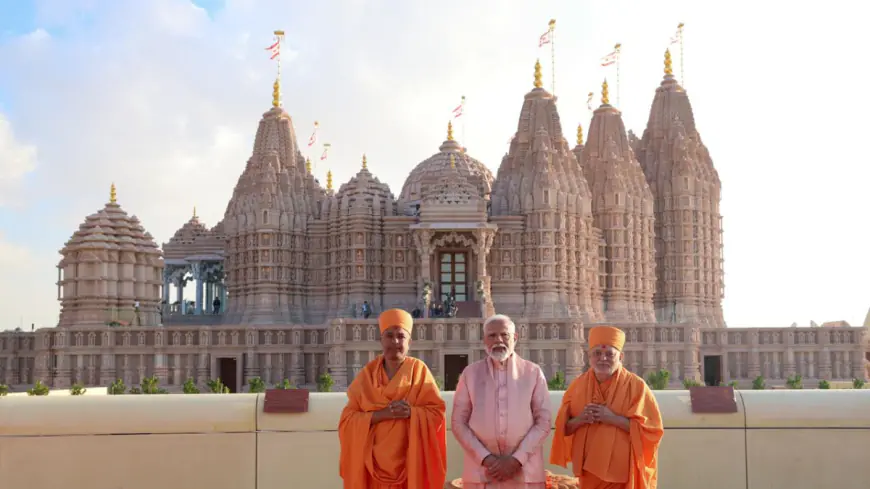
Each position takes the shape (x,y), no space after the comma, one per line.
(618,230)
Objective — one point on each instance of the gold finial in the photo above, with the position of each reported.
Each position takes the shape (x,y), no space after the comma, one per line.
(276,93)
(113,194)
(605,94)
(449,130)
(365,163)
(308,165)
(579,134)
(194,212)
(329,180)
(279,33)
(552,24)
(669,69)
(452,162)
(538,83)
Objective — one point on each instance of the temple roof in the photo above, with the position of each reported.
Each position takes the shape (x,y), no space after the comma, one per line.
(429,171)
(111,228)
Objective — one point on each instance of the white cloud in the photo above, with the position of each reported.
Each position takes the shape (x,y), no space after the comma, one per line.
(17,159)
(27,288)
(167,107)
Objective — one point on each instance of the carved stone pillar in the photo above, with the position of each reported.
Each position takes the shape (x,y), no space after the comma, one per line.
(198,275)
(485,239)
(423,242)
(337,359)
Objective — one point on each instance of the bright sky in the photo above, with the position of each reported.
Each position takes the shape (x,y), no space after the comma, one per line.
(163,98)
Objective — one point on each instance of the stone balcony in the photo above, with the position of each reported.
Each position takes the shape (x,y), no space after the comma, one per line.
(776,440)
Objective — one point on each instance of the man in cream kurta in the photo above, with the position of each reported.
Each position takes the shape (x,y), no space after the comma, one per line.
(501,415)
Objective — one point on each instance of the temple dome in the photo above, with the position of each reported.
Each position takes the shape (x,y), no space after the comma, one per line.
(111,271)
(430,171)
(190,231)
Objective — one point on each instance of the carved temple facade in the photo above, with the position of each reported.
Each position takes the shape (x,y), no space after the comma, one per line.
(618,230)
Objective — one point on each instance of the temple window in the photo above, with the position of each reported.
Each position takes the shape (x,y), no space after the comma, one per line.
(453,276)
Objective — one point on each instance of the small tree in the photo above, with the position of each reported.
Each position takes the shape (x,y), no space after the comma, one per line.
(857,383)
(824,384)
(190,387)
(658,380)
(39,389)
(77,390)
(256,385)
(690,383)
(4,389)
(325,382)
(758,384)
(217,387)
(135,391)
(795,381)
(285,385)
(151,385)
(557,383)
(116,388)
(733,384)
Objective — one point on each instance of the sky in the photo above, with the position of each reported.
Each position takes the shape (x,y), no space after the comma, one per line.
(163,98)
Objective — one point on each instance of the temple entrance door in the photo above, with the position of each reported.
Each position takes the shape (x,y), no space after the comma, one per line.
(227,373)
(453,275)
(712,370)
(453,367)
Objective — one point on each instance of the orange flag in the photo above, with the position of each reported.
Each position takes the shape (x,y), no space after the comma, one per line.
(604,456)
(409,453)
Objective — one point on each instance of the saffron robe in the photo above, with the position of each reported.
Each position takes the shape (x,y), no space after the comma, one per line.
(397,453)
(605,456)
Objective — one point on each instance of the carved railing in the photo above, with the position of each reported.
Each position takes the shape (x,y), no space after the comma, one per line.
(302,352)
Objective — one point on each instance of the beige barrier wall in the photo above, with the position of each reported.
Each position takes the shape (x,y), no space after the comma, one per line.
(778,440)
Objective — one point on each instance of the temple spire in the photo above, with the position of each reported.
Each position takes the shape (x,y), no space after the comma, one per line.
(538,83)
(579,134)
(113,194)
(449,130)
(365,165)
(194,212)
(329,180)
(605,94)
(276,93)
(308,165)
(669,69)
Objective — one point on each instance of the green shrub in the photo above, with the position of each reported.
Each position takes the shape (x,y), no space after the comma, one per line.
(39,389)
(285,385)
(256,385)
(190,387)
(325,382)
(77,390)
(658,380)
(557,383)
(116,388)
(758,384)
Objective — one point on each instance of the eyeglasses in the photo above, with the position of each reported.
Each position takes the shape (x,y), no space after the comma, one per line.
(608,354)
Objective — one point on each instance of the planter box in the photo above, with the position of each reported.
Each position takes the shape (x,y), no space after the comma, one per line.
(713,400)
(286,401)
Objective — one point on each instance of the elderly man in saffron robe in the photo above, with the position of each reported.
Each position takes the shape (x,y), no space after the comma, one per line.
(393,431)
(501,415)
(609,425)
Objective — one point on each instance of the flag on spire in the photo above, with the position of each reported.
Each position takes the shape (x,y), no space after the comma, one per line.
(326,147)
(545,38)
(457,112)
(313,138)
(610,59)
(275,49)
(589,100)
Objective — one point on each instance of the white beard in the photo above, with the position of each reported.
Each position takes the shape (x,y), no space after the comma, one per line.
(500,355)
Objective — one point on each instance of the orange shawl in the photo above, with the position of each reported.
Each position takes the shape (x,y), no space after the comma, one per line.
(602,454)
(405,452)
